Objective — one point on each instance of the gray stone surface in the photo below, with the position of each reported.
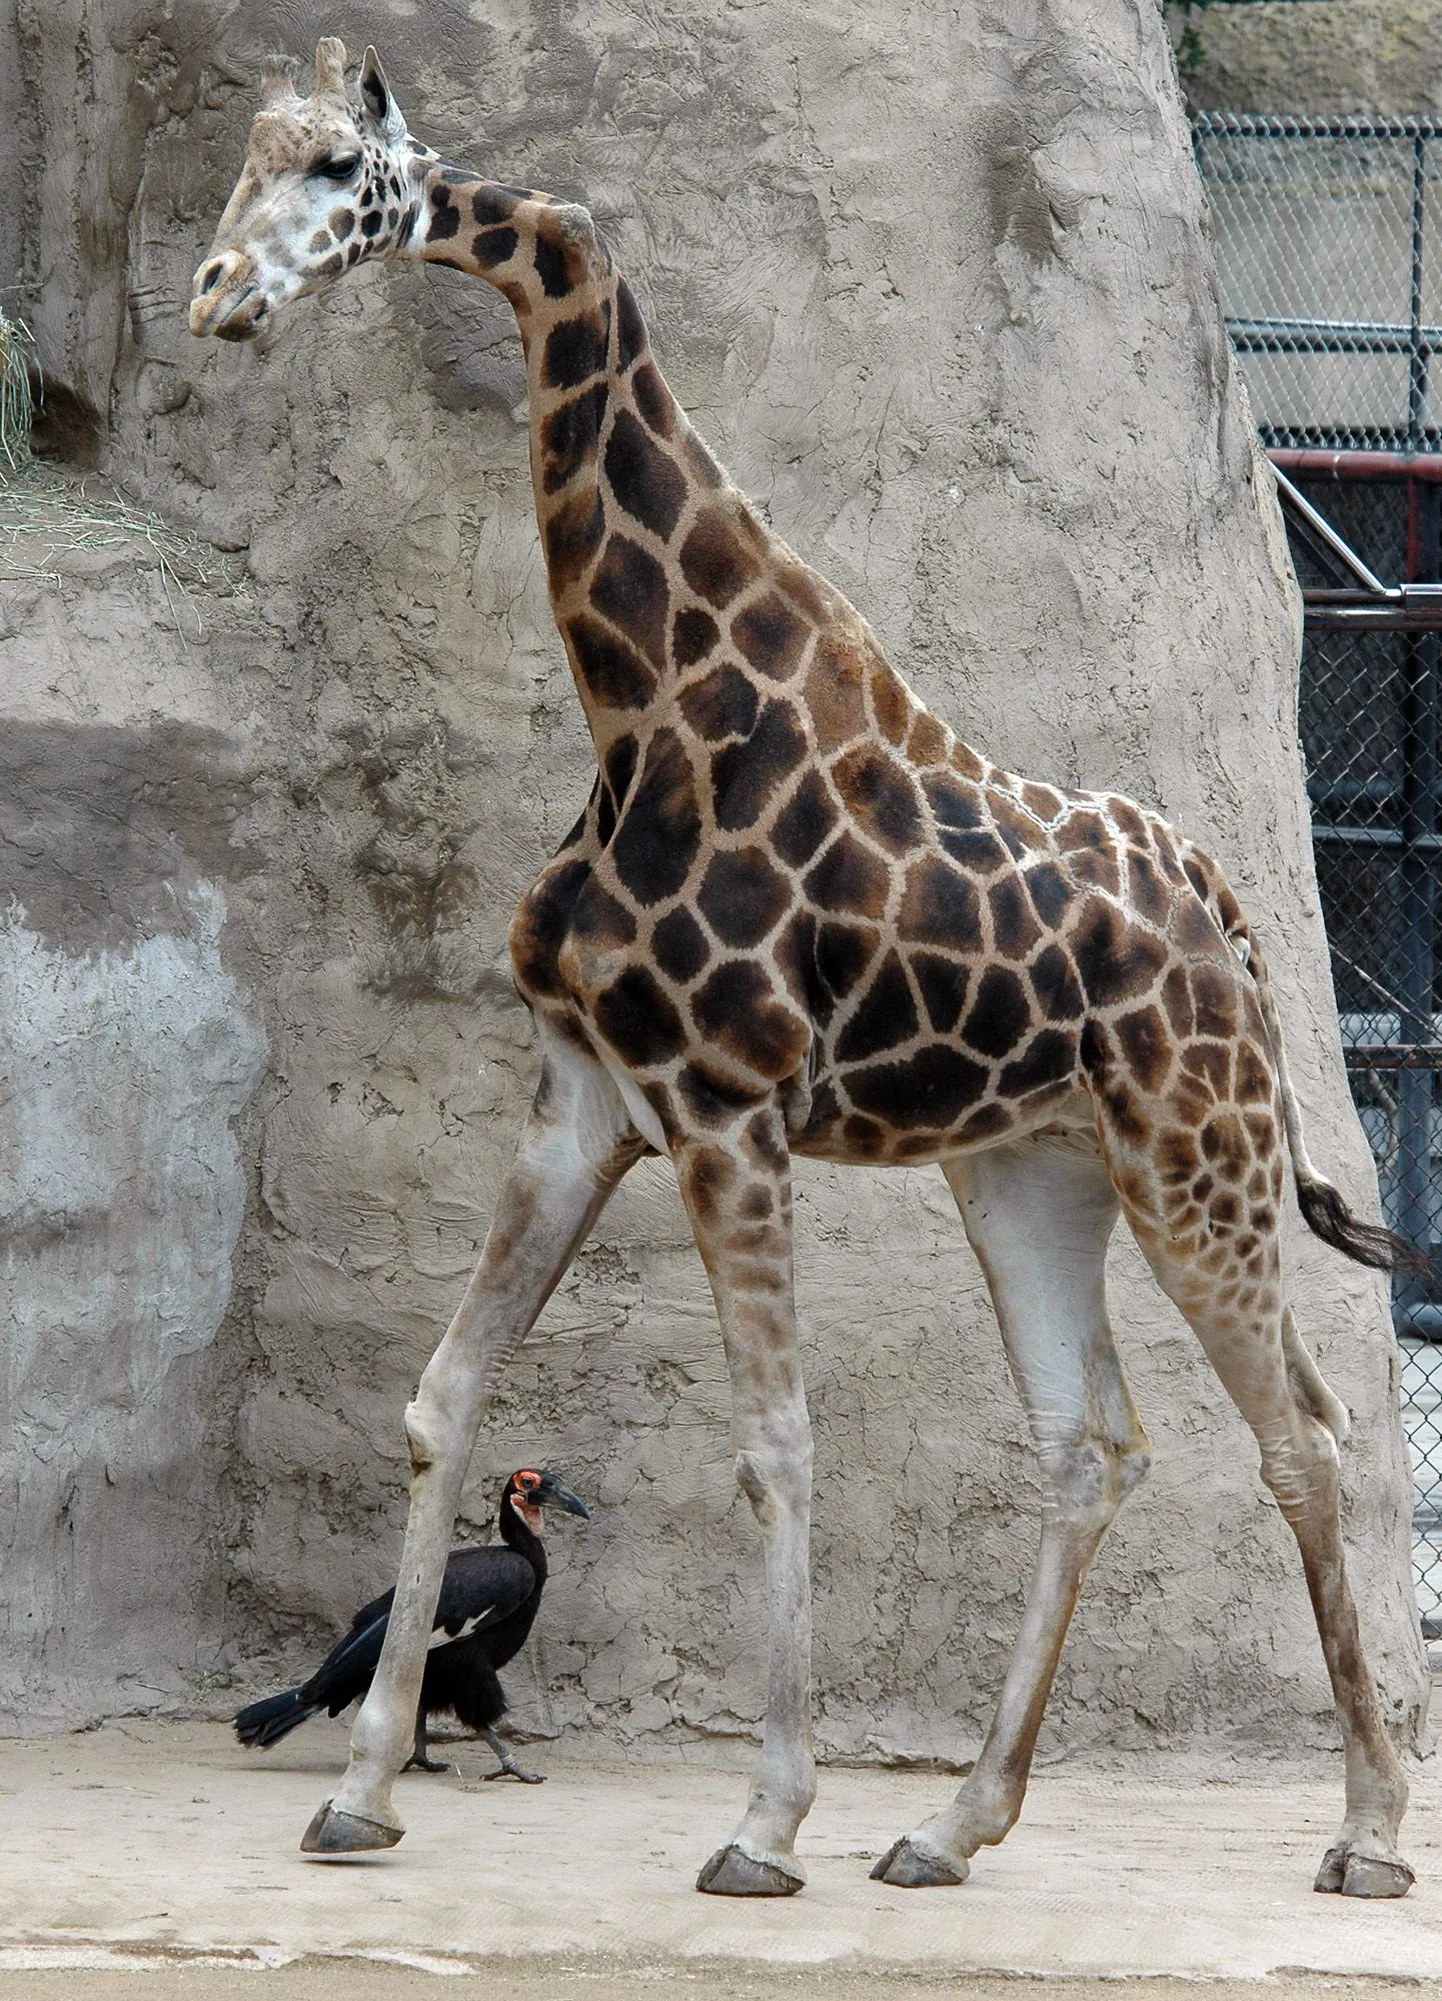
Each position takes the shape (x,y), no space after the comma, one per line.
(934,284)
(1322,59)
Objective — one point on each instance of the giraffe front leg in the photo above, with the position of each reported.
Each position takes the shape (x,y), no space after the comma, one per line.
(577,1144)
(737,1191)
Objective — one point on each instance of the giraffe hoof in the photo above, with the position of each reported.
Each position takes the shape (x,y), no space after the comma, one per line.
(913,1864)
(1332,1872)
(1347,1873)
(333,1833)
(731,1872)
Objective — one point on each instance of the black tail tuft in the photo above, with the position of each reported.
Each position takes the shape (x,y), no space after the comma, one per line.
(1327,1216)
(265,1723)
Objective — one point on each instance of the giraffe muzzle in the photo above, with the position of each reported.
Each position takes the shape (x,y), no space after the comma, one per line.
(225,300)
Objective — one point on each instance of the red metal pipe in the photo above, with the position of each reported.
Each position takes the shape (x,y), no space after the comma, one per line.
(1307,462)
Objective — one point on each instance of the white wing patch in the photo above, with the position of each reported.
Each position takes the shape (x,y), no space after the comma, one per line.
(441,1638)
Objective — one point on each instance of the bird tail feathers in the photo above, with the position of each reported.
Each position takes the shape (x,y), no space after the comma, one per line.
(265,1723)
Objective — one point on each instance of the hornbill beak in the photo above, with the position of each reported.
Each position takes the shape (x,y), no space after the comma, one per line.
(551,1490)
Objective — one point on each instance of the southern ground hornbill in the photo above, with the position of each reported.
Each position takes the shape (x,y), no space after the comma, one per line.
(489,1598)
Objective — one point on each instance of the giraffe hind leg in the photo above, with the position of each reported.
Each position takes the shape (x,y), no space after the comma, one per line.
(1039,1215)
(1217,1256)
(1309,1384)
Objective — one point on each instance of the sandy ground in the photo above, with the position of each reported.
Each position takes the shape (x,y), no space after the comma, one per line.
(164,1850)
(654,1980)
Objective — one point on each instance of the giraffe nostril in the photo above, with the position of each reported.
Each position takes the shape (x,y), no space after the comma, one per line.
(213,276)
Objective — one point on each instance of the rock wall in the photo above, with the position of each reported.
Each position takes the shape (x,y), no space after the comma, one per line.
(935,284)
(1325,58)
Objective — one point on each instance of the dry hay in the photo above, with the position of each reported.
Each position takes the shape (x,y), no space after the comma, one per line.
(17,356)
(47,514)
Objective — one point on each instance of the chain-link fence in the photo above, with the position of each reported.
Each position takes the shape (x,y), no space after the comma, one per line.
(1329,239)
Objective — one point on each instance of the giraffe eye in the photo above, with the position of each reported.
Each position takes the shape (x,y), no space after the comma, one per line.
(337,169)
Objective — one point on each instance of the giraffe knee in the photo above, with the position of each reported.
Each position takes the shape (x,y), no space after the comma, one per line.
(1132,1462)
(425,1435)
(776,1476)
(1088,1480)
(751,1478)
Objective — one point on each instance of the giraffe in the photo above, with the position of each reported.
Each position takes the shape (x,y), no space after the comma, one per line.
(800,916)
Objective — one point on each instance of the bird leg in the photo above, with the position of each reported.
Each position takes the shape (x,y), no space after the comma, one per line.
(509,1768)
(419,1761)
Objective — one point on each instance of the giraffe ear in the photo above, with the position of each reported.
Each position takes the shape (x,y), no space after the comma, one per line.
(377,99)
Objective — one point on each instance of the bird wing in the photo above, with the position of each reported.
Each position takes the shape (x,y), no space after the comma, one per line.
(351,1663)
(481,1587)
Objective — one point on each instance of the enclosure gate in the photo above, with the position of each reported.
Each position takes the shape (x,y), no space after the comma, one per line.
(1329,244)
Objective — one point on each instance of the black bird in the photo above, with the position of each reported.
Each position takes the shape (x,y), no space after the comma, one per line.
(489,1598)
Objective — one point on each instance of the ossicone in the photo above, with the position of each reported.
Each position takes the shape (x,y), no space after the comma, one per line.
(330,66)
(278,78)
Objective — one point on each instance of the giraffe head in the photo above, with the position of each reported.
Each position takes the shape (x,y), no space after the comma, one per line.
(328,180)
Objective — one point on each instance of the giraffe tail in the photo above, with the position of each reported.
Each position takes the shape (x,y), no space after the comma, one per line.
(1324,1210)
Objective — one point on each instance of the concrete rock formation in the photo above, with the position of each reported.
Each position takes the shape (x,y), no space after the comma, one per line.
(937,291)
(1329,58)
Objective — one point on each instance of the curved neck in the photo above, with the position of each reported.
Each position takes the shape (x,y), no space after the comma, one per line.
(616,468)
